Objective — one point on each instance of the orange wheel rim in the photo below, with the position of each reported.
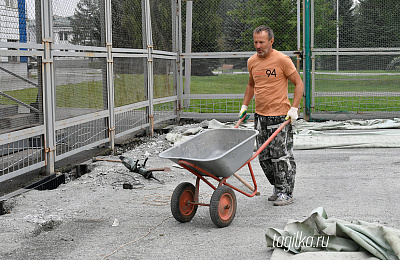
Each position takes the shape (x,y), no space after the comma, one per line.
(184,203)
(225,207)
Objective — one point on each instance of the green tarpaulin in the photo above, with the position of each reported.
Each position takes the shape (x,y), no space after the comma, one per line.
(320,233)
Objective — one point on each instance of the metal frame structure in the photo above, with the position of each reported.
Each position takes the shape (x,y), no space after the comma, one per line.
(55,139)
(19,158)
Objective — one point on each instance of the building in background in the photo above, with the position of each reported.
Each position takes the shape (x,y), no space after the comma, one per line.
(9,25)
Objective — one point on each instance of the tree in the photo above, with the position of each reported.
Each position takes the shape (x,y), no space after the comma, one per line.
(206,33)
(377,26)
(280,15)
(325,22)
(347,37)
(236,31)
(347,18)
(128,20)
(161,19)
(86,24)
(127,24)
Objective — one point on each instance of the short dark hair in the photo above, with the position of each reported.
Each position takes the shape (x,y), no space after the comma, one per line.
(265,28)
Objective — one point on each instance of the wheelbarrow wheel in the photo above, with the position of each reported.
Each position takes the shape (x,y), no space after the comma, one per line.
(223,206)
(181,208)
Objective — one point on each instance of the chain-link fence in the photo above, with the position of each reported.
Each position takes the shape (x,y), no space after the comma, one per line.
(220,41)
(356,59)
(76,74)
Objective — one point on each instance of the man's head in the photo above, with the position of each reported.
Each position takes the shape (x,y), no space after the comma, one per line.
(263,37)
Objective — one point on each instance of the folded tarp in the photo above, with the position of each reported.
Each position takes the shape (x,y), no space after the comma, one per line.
(320,233)
(377,133)
(349,124)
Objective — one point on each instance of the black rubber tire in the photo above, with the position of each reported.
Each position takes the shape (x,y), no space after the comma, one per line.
(180,207)
(223,206)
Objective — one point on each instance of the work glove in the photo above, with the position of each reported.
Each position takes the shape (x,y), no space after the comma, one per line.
(243,112)
(292,114)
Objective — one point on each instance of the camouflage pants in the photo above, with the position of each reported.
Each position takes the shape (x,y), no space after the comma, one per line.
(276,159)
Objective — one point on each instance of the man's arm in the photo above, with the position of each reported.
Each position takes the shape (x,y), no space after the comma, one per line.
(298,88)
(249,93)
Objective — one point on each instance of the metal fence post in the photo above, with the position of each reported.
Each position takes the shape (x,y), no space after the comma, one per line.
(306,76)
(180,89)
(48,86)
(110,74)
(188,49)
(149,42)
(175,48)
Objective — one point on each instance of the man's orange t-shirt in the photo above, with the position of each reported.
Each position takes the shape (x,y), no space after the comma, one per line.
(270,77)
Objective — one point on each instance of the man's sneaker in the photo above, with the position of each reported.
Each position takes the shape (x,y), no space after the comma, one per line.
(283,199)
(274,195)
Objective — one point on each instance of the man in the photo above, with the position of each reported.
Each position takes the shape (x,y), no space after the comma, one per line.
(269,71)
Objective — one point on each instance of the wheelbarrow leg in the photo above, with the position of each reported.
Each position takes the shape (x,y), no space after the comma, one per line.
(245,183)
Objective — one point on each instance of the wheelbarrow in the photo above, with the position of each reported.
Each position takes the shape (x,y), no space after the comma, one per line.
(217,154)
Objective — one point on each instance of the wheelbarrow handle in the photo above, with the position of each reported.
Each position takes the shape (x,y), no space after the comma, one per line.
(258,151)
(235,174)
(240,121)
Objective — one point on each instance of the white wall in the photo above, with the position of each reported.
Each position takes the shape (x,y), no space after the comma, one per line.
(9,22)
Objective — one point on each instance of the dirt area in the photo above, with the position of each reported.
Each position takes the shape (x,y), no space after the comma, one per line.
(94,217)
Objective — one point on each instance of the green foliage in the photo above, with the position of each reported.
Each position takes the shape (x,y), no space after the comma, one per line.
(86,24)
(325,24)
(234,29)
(206,26)
(127,24)
(161,24)
(280,15)
(376,24)
(347,18)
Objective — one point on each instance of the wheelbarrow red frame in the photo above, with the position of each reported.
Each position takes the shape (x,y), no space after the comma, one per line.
(221,215)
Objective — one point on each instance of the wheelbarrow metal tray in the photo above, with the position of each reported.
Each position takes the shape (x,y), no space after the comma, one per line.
(220,152)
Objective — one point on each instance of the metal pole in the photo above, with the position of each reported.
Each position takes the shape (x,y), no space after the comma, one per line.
(38,39)
(180,90)
(298,26)
(188,49)
(337,35)
(312,82)
(48,86)
(306,75)
(175,48)
(22,26)
(149,41)
(298,36)
(110,74)
(145,70)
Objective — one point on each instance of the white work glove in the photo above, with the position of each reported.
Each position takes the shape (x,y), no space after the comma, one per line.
(243,112)
(292,114)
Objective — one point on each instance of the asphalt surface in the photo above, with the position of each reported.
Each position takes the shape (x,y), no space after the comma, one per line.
(94,217)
